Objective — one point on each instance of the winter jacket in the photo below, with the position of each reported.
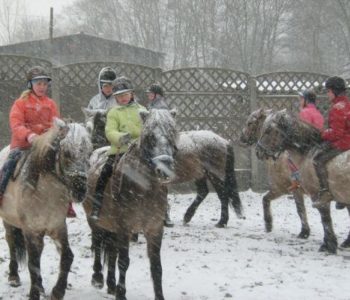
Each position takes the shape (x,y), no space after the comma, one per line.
(158,103)
(100,101)
(311,115)
(30,115)
(338,133)
(123,120)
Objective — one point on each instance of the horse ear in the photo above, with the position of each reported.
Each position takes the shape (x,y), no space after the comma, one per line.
(143,114)
(62,127)
(173,113)
(88,113)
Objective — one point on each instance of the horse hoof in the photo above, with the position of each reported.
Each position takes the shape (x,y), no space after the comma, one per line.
(97,281)
(325,248)
(219,225)
(14,281)
(112,290)
(304,234)
(345,244)
(184,223)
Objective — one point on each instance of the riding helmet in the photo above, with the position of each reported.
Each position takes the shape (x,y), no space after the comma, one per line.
(336,84)
(156,89)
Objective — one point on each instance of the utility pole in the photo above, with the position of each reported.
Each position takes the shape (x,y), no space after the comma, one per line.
(51,24)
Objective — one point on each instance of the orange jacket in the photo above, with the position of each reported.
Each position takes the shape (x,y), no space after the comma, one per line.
(30,115)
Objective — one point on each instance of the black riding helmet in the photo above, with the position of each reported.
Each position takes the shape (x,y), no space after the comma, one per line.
(122,85)
(107,75)
(309,95)
(336,85)
(155,88)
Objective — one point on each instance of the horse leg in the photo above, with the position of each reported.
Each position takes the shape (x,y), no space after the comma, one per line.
(219,187)
(346,243)
(16,243)
(154,244)
(97,236)
(299,202)
(123,264)
(34,245)
(66,261)
(112,258)
(202,192)
(267,209)
(330,240)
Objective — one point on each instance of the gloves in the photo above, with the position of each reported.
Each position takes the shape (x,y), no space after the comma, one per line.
(31,138)
(125,139)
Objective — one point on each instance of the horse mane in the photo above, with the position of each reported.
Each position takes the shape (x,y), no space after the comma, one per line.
(300,135)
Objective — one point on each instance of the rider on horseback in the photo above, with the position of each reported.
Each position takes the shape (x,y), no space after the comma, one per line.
(123,125)
(31,115)
(336,137)
(311,115)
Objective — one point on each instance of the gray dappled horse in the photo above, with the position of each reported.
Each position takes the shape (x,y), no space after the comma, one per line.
(35,203)
(281,131)
(278,172)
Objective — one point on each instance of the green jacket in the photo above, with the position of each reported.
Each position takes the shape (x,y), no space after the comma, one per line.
(120,121)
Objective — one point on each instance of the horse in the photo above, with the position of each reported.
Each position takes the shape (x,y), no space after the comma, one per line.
(52,173)
(136,196)
(278,172)
(202,156)
(281,131)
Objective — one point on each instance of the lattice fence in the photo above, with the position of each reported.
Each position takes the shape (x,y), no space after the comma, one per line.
(206,98)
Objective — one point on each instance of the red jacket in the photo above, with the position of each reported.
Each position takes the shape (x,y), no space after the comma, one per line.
(311,115)
(338,132)
(30,115)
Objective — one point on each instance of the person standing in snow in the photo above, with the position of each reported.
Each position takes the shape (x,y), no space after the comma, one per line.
(104,99)
(123,125)
(309,114)
(31,115)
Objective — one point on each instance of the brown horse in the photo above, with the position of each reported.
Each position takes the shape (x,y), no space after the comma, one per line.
(136,196)
(35,202)
(281,131)
(278,174)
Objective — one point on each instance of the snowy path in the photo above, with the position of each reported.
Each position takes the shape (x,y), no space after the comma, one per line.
(202,262)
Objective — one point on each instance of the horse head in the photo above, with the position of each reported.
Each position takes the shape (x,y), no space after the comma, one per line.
(252,128)
(73,159)
(158,141)
(281,131)
(64,152)
(95,122)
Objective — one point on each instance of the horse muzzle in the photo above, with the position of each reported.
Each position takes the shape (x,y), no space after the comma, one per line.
(164,167)
(77,182)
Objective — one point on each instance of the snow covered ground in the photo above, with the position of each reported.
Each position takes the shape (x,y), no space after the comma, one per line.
(203,262)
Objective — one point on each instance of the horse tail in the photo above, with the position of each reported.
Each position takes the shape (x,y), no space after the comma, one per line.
(19,243)
(231,188)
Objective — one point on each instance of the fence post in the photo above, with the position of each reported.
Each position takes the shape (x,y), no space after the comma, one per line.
(56,86)
(254,184)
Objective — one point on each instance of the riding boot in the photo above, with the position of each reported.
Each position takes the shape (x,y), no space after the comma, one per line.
(324,195)
(96,206)
(71,212)
(167,221)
